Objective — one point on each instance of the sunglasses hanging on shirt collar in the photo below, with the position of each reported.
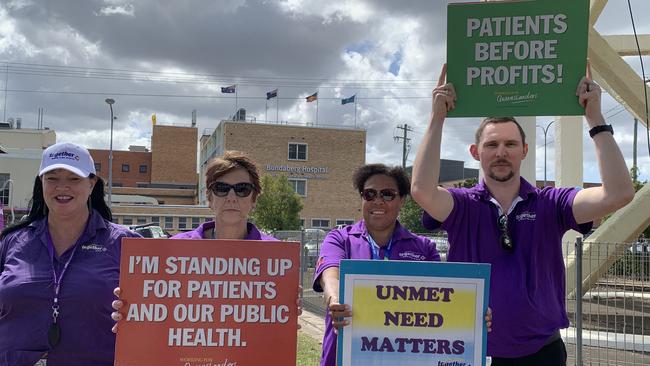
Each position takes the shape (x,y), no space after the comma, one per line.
(505,239)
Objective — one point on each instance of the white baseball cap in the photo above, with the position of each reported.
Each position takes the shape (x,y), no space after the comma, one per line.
(70,157)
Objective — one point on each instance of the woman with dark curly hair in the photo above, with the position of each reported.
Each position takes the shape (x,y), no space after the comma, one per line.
(378,235)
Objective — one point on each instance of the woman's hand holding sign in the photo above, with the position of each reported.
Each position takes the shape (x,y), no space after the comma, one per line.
(338,312)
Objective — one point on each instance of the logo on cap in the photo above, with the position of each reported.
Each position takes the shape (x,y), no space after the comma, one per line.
(64,155)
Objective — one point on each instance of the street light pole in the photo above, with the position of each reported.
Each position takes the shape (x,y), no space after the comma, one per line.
(545,130)
(110,103)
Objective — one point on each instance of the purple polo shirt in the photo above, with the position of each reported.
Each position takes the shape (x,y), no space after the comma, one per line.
(253,232)
(351,242)
(527,286)
(27,292)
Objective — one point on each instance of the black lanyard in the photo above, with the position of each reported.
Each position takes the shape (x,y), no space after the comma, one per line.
(54,331)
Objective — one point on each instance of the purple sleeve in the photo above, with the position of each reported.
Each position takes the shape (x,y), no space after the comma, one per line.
(433,256)
(563,199)
(332,251)
(432,224)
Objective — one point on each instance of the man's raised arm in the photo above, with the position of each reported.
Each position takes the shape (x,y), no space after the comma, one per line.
(617,189)
(435,200)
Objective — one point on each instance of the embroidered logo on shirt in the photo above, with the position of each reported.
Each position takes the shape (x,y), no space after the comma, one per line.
(526,216)
(411,255)
(94,247)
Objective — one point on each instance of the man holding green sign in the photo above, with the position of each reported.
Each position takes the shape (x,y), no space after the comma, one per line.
(504,220)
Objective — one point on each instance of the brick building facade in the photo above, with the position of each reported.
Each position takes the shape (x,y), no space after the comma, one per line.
(318,161)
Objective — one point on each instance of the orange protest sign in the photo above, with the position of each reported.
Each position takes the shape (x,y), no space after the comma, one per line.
(208,302)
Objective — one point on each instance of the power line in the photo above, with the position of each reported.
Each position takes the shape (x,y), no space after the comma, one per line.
(192,96)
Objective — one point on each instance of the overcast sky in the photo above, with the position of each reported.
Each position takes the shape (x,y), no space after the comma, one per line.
(169,57)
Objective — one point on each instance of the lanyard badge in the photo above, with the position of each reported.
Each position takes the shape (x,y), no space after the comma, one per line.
(374,249)
(54,331)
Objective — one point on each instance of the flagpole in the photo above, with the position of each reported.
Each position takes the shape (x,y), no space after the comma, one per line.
(316,107)
(266,116)
(236,103)
(277,108)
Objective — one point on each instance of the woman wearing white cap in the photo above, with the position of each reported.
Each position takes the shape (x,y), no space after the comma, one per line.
(58,268)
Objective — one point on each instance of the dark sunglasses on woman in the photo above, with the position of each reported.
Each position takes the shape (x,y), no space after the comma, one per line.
(221,189)
(387,194)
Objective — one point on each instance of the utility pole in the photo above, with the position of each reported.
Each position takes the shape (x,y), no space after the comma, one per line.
(405,141)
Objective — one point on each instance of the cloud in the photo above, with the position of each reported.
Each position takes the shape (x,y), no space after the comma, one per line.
(171,57)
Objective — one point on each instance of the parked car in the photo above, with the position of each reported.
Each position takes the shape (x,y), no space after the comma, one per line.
(149,231)
(313,239)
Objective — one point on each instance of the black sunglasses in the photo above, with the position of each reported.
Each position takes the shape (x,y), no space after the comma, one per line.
(221,189)
(387,194)
(505,239)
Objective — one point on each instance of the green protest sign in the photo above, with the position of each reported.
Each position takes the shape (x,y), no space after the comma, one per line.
(521,58)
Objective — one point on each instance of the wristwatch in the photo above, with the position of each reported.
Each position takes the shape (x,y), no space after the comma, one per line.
(600,128)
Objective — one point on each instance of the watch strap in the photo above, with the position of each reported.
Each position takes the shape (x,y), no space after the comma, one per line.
(600,128)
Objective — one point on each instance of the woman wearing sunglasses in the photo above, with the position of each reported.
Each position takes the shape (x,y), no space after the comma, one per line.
(233,183)
(378,236)
(233,186)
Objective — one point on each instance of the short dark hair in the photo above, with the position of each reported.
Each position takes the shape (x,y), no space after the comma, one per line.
(229,161)
(363,173)
(489,120)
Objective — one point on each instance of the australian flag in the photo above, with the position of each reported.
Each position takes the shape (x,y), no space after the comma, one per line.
(348,100)
(272,94)
(228,89)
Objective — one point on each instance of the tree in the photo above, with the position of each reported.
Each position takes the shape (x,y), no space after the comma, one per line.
(467,183)
(411,216)
(278,207)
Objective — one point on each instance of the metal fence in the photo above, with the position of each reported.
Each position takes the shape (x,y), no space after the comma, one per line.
(609,323)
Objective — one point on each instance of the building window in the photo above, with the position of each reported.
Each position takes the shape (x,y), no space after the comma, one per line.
(4,193)
(126,168)
(297,151)
(299,186)
(195,222)
(155,220)
(98,167)
(320,223)
(182,223)
(143,168)
(127,220)
(344,222)
(206,219)
(302,223)
(169,222)
(141,220)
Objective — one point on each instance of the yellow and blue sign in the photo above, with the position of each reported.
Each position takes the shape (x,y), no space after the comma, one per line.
(415,313)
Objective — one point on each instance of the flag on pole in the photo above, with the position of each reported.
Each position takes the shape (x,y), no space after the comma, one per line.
(153,119)
(312,97)
(272,94)
(228,89)
(345,101)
